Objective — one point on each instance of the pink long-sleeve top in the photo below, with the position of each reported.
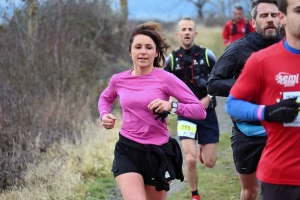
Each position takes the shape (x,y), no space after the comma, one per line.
(136,92)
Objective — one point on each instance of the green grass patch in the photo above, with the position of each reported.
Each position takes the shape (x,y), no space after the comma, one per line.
(219,183)
(100,188)
(172,124)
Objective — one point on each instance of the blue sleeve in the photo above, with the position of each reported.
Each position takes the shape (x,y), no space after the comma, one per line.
(243,110)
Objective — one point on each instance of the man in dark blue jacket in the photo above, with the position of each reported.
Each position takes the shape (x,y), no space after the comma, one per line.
(248,137)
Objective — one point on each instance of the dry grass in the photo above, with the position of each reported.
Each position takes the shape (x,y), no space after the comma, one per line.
(64,170)
(211,38)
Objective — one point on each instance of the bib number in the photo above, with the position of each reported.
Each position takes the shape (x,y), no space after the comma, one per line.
(287,95)
(186,129)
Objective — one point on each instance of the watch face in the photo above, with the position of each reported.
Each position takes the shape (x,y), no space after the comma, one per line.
(174,104)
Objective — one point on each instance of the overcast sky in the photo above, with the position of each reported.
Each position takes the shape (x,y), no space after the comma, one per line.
(160,9)
(165,10)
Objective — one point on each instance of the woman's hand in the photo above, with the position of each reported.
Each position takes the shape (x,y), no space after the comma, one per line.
(108,121)
(159,105)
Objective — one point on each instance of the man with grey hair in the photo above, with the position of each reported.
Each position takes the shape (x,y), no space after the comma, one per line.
(248,137)
(237,27)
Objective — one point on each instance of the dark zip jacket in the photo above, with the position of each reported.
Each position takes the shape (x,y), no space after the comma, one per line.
(229,66)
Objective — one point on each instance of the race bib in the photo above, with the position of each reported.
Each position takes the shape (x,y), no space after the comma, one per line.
(288,95)
(186,129)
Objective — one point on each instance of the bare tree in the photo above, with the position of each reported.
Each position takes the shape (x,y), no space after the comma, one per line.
(223,7)
(199,4)
(247,2)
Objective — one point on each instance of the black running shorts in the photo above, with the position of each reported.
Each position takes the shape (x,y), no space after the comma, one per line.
(128,159)
(246,151)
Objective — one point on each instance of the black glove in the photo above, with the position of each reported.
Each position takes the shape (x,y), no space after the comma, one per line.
(284,111)
(163,115)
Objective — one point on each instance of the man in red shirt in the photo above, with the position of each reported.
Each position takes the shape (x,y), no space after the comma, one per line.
(271,79)
(237,27)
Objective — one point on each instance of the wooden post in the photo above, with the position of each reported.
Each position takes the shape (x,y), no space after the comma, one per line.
(32,22)
(124,8)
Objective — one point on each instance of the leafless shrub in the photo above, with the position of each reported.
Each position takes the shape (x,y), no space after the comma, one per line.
(49,88)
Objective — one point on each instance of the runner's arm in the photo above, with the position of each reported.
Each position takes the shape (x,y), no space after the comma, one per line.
(211,58)
(168,64)
(223,74)
(107,98)
(249,112)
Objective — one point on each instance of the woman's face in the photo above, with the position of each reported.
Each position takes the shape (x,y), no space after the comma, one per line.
(143,51)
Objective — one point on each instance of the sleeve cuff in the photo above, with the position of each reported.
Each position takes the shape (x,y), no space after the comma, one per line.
(260,112)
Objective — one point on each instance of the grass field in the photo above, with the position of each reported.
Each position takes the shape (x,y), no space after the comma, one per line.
(85,172)
(219,183)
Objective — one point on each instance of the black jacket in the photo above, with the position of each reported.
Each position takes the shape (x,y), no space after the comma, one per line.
(229,66)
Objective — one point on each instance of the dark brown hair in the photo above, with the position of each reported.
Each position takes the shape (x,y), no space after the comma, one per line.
(282,6)
(254,4)
(154,31)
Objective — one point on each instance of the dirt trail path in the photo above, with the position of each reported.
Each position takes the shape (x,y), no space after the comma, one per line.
(225,127)
(176,186)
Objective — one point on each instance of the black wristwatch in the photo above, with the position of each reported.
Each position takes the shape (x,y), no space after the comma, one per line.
(174,106)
